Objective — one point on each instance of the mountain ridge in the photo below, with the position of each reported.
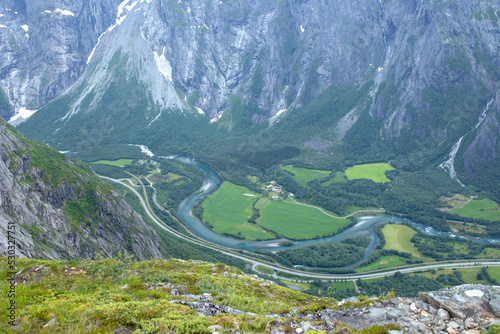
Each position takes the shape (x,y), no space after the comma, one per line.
(426,72)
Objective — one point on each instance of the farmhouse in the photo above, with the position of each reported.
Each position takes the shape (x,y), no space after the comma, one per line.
(273,186)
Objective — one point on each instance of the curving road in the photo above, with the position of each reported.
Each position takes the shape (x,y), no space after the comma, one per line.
(257,262)
(326,213)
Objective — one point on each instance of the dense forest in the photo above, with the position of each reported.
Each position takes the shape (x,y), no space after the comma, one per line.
(404,285)
(329,255)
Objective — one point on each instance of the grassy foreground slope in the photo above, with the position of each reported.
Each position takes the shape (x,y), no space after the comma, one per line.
(106,296)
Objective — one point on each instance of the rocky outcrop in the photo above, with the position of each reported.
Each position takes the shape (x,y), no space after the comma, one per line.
(466,309)
(58,209)
(462,309)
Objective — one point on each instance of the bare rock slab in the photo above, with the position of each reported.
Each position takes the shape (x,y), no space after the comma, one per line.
(464,301)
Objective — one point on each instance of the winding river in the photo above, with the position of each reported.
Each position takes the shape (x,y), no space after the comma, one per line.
(365,226)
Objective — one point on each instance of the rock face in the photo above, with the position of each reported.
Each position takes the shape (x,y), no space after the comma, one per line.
(44,47)
(464,301)
(462,309)
(427,69)
(62,210)
(470,307)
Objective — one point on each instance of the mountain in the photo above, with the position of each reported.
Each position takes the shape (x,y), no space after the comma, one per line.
(416,82)
(44,47)
(57,208)
(186,297)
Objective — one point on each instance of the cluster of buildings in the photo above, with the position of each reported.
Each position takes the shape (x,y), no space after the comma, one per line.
(273,186)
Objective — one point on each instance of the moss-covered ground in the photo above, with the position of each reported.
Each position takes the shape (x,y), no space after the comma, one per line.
(137,297)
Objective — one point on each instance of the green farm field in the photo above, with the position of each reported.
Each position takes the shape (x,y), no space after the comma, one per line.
(265,270)
(494,272)
(382,263)
(303,285)
(118,163)
(342,286)
(299,222)
(375,172)
(484,209)
(489,253)
(339,177)
(228,211)
(398,237)
(304,175)
(469,275)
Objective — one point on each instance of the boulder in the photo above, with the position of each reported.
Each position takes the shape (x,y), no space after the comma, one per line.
(463,301)
(443,314)
(495,302)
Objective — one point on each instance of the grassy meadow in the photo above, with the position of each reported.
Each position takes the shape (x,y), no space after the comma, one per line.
(304,175)
(111,296)
(489,253)
(382,263)
(230,207)
(299,222)
(265,270)
(117,163)
(339,177)
(398,237)
(483,209)
(494,273)
(228,211)
(375,172)
(469,275)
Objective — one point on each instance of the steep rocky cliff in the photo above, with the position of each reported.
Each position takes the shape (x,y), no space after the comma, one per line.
(44,47)
(59,209)
(421,73)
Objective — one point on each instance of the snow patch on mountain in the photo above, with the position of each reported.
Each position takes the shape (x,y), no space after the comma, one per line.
(64,12)
(216,118)
(22,114)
